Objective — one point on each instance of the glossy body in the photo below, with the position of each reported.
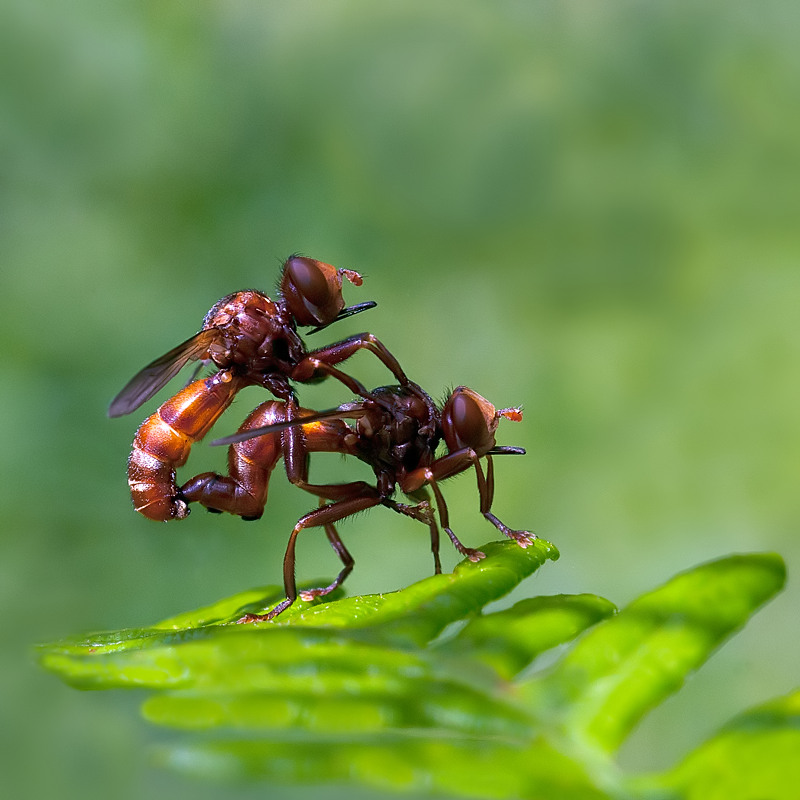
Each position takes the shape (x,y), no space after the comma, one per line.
(396,431)
(257,338)
(251,340)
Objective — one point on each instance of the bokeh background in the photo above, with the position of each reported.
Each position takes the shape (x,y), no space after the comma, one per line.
(587,209)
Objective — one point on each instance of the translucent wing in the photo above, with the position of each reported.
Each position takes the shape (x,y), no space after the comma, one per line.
(142,386)
(347,411)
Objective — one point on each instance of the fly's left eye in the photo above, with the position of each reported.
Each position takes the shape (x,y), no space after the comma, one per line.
(312,290)
(469,421)
(467,418)
(310,279)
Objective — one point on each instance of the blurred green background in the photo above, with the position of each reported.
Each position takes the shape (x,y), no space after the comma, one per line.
(587,209)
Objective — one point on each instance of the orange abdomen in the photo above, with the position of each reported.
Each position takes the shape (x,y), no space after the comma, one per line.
(163,442)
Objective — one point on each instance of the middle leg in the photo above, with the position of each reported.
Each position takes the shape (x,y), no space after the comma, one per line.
(422,512)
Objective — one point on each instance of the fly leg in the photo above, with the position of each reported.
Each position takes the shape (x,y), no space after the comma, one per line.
(243,491)
(311,365)
(423,512)
(329,436)
(344,556)
(326,515)
(486,493)
(454,464)
(340,351)
(444,467)
(444,516)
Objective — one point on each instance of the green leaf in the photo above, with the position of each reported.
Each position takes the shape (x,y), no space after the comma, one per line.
(509,640)
(421,612)
(469,767)
(183,650)
(382,691)
(629,664)
(764,746)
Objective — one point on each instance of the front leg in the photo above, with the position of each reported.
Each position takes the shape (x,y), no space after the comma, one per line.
(468,552)
(444,467)
(453,464)
(340,351)
(486,493)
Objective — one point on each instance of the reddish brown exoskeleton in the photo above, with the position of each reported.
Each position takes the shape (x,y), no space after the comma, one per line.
(251,340)
(396,432)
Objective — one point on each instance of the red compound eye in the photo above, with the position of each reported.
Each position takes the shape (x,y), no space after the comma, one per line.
(312,290)
(469,420)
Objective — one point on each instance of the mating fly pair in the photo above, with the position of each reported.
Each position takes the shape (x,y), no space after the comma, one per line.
(252,340)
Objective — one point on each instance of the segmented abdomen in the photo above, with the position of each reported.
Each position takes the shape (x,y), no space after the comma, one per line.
(163,442)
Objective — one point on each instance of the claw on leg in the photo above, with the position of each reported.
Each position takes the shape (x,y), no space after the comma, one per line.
(248,618)
(468,552)
(311,594)
(522,538)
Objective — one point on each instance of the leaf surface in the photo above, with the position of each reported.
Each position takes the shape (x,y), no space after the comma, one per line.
(388,692)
